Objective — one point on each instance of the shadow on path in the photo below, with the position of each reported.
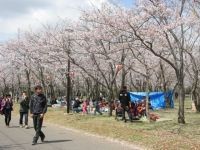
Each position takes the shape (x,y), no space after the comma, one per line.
(11,146)
(30,127)
(55,141)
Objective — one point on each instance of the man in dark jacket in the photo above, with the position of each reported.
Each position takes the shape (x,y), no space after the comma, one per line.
(38,107)
(125,101)
(24,108)
(97,106)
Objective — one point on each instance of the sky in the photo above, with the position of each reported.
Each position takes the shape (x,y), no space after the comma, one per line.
(31,14)
(127,3)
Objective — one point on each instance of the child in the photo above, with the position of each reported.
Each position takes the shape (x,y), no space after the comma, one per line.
(84,107)
(142,109)
(118,110)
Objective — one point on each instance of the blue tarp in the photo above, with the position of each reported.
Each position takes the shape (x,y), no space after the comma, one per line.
(157,99)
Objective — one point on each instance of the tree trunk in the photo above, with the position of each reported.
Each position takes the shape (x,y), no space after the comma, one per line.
(147,104)
(111,98)
(19,91)
(181,117)
(164,85)
(195,102)
(123,77)
(6,89)
(147,91)
(29,83)
(42,79)
(195,93)
(52,91)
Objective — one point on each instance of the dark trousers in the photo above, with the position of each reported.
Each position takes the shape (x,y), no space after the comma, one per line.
(77,110)
(97,109)
(37,122)
(23,115)
(124,110)
(7,113)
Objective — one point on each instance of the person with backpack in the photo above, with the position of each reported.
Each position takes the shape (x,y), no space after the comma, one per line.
(38,108)
(24,109)
(7,108)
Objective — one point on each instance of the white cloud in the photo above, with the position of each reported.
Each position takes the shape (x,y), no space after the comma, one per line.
(34,13)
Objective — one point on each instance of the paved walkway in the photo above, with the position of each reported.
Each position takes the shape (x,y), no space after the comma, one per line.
(57,138)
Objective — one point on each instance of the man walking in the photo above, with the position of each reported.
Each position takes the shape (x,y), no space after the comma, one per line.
(24,108)
(97,106)
(125,101)
(38,107)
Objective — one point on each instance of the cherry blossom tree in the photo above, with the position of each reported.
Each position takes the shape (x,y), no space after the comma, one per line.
(154,46)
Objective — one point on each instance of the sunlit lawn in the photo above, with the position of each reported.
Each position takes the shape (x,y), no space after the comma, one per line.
(164,134)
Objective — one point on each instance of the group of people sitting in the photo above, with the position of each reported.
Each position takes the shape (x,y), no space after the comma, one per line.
(90,106)
(134,110)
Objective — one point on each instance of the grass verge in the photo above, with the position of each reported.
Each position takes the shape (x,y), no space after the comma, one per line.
(161,135)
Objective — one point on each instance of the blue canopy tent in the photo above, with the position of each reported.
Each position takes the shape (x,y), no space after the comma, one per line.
(157,99)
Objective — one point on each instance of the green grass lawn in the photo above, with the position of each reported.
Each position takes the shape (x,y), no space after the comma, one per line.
(161,135)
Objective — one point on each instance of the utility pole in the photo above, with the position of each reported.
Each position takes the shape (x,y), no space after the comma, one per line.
(68,70)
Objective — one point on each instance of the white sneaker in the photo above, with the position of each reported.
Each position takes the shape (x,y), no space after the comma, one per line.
(26,127)
(21,126)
